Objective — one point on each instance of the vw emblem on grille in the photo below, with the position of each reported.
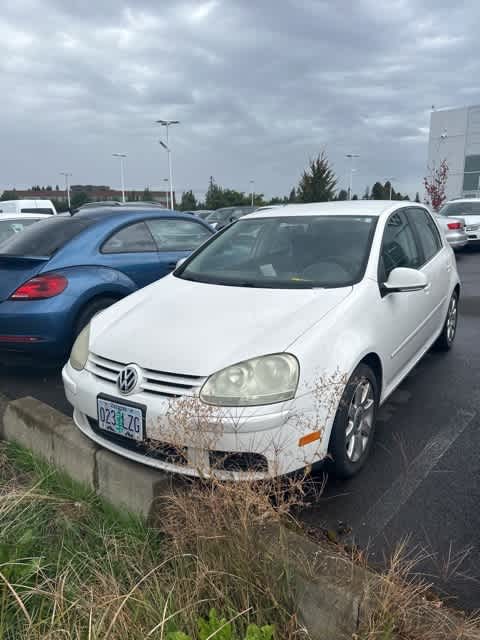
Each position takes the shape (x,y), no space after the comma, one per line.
(127,379)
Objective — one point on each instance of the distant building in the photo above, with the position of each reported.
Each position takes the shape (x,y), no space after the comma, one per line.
(94,193)
(455,136)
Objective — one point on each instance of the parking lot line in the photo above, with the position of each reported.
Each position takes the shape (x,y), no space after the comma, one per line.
(399,492)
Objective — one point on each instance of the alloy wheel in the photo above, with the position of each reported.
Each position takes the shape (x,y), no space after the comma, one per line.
(452,319)
(360,420)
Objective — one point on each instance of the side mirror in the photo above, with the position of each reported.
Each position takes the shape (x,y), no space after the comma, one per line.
(180,262)
(403,279)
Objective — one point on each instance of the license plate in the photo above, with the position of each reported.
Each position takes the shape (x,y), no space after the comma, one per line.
(474,227)
(121,419)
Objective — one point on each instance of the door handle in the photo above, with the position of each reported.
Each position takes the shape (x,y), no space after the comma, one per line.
(428,287)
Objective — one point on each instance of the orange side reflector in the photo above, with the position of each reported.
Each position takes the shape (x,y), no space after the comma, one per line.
(311,437)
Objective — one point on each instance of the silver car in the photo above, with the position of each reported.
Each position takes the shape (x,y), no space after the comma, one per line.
(467,210)
(454,229)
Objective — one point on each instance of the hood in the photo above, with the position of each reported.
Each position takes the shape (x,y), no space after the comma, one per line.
(192,328)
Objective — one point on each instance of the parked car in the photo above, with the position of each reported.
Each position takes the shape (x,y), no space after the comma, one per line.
(248,364)
(12,223)
(102,204)
(225,216)
(57,274)
(454,230)
(27,206)
(467,209)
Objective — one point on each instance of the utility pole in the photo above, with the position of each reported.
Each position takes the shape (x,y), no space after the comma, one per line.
(121,157)
(351,156)
(167,124)
(67,175)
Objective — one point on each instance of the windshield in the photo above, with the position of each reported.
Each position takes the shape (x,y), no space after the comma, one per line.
(287,253)
(44,238)
(461,209)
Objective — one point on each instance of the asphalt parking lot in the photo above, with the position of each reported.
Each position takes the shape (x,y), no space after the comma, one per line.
(422,483)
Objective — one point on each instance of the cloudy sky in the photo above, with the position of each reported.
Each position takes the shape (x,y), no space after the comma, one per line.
(258,85)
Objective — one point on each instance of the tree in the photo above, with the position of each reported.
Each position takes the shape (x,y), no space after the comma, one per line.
(188,202)
(342,195)
(355,197)
(78,198)
(366,195)
(318,181)
(57,188)
(435,184)
(147,195)
(417,197)
(378,192)
(293,195)
(9,195)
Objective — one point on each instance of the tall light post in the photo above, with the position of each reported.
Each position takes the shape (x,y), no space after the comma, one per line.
(351,156)
(389,180)
(166,190)
(67,175)
(167,124)
(252,190)
(121,157)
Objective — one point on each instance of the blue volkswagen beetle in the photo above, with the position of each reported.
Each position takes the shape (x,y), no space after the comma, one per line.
(58,273)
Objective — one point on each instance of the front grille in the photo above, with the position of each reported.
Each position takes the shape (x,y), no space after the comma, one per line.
(160,383)
(150,448)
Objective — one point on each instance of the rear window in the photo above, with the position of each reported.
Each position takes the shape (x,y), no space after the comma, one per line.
(44,238)
(461,209)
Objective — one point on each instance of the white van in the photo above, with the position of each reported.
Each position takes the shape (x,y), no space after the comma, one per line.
(28,206)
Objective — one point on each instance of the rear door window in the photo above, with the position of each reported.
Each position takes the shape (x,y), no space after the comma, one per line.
(44,238)
(135,238)
(178,235)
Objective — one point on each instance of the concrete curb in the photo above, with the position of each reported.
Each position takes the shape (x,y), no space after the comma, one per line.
(334,596)
(53,436)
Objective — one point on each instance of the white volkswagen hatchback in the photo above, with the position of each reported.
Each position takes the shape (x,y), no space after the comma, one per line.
(272,346)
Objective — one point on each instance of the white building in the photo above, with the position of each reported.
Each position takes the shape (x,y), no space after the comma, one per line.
(455,136)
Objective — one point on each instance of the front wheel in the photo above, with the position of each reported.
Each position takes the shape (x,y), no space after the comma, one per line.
(354,424)
(449,331)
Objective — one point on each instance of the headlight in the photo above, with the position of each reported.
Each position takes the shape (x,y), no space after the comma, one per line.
(258,381)
(79,355)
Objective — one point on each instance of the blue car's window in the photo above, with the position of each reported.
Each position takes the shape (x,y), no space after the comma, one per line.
(178,235)
(135,238)
(45,237)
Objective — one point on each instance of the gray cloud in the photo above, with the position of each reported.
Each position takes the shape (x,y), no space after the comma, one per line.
(258,86)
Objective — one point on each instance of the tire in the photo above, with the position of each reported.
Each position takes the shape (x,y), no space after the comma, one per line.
(447,337)
(354,425)
(90,310)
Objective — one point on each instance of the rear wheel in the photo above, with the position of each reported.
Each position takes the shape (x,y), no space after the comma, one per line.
(90,310)
(354,425)
(449,331)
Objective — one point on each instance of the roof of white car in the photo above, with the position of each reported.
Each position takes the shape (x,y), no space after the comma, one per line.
(463,200)
(337,208)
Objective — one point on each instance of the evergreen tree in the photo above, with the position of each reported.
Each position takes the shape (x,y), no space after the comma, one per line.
(188,202)
(318,181)
(378,192)
(342,195)
(417,197)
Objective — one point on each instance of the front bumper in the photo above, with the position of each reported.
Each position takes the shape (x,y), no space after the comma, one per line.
(204,441)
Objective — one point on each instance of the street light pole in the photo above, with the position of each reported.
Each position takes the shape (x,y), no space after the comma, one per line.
(167,124)
(252,189)
(389,180)
(166,190)
(66,175)
(121,157)
(351,156)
